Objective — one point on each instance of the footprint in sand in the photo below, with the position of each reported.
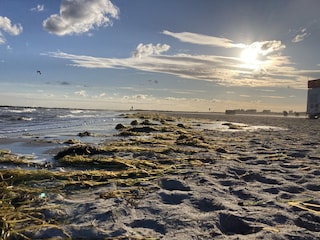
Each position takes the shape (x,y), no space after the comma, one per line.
(230,224)
(173,184)
(207,205)
(309,221)
(313,187)
(173,197)
(150,224)
(177,191)
(292,189)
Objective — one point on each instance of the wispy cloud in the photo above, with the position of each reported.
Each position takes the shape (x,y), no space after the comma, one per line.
(38,8)
(80,16)
(274,97)
(267,90)
(301,35)
(8,27)
(204,39)
(273,70)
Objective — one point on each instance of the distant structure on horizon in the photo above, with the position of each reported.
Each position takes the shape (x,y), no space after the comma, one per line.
(265,111)
(313,100)
(241,111)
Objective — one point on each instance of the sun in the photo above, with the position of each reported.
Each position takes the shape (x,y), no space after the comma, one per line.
(249,57)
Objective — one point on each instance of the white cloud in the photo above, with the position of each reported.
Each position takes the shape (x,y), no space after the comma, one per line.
(81,93)
(227,71)
(274,69)
(101,95)
(175,99)
(264,48)
(204,39)
(140,96)
(267,90)
(38,8)
(80,16)
(2,39)
(267,47)
(274,97)
(149,49)
(302,34)
(6,26)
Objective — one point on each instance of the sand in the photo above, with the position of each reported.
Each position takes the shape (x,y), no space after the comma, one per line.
(239,184)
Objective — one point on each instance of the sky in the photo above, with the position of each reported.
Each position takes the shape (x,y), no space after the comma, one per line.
(190,55)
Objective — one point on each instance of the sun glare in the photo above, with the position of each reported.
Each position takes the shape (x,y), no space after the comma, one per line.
(249,57)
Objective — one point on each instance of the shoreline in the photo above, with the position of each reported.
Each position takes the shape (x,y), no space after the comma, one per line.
(178,182)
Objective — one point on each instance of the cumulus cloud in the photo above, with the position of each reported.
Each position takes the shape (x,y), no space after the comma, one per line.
(149,49)
(8,27)
(204,39)
(38,8)
(300,36)
(80,16)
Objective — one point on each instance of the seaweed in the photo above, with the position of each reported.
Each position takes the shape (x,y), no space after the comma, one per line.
(21,207)
(150,150)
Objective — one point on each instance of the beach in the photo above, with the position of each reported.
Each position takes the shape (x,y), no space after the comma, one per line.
(172,175)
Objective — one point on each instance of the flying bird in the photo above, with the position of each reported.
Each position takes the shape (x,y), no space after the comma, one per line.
(39,72)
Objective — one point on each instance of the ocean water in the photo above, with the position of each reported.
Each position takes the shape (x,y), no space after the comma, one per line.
(32,131)
(41,132)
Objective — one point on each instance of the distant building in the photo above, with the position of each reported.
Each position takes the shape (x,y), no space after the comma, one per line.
(251,111)
(313,100)
(230,112)
(241,111)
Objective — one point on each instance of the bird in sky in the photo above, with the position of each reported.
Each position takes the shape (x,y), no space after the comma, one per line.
(39,72)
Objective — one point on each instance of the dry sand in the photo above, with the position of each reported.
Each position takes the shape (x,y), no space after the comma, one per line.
(262,184)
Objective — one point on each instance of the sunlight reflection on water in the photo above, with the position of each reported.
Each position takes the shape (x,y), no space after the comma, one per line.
(231,126)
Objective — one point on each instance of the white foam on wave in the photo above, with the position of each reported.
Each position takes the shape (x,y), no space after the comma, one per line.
(23,110)
(232,126)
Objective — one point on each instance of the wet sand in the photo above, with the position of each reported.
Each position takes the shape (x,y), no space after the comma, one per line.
(259,184)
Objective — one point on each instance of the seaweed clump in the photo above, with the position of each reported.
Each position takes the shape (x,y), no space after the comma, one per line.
(21,206)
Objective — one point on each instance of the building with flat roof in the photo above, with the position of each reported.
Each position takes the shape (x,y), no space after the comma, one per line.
(313,100)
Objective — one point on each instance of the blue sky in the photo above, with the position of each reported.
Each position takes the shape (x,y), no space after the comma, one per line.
(192,55)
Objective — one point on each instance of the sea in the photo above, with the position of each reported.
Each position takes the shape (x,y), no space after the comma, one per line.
(39,133)
(33,132)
